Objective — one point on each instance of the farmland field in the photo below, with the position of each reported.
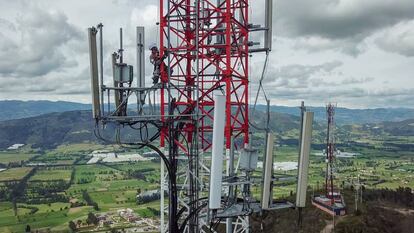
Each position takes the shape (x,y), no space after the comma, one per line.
(51,174)
(136,166)
(14,173)
(80,148)
(12,157)
(112,186)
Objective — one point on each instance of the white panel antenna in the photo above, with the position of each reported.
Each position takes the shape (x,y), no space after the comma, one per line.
(216,172)
(123,73)
(93,57)
(268,23)
(116,92)
(248,159)
(268,168)
(304,159)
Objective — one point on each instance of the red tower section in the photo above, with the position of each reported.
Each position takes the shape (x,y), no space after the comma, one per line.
(207,44)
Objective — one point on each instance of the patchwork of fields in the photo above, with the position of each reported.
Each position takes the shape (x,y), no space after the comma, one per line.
(53,194)
(62,187)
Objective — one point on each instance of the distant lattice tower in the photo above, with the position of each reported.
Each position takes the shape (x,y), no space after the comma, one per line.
(330,150)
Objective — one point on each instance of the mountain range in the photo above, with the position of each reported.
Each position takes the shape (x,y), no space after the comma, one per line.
(350,116)
(16,109)
(53,129)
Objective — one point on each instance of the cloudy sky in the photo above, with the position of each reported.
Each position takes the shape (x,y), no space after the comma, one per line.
(357,53)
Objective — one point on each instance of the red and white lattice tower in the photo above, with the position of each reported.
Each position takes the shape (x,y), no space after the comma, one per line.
(207,48)
(208,45)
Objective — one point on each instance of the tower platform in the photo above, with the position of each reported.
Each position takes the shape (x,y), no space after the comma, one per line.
(334,205)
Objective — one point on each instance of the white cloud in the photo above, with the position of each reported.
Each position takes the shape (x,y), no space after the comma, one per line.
(35,48)
(340,25)
(398,39)
(146,16)
(344,50)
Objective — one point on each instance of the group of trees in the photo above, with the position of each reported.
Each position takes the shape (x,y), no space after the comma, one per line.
(76,204)
(5,191)
(92,219)
(87,177)
(346,162)
(402,195)
(136,174)
(33,209)
(72,225)
(106,172)
(145,198)
(12,164)
(84,181)
(44,192)
(19,189)
(48,187)
(89,200)
(46,199)
(72,176)
(35,192)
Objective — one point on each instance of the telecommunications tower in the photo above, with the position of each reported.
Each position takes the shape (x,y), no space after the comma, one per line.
(208,47)
(332,201)
(198,113)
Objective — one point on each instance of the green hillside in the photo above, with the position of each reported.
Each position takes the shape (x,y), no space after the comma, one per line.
(53,129)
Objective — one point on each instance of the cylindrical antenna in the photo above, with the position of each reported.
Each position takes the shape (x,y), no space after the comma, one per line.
(100,26)
(120,46)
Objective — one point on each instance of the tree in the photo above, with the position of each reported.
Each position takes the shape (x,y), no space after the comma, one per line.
(89,200)
(92,219)
(72,225)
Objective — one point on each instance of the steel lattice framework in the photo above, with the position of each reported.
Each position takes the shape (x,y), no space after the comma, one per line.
(207,44)
(330,150)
